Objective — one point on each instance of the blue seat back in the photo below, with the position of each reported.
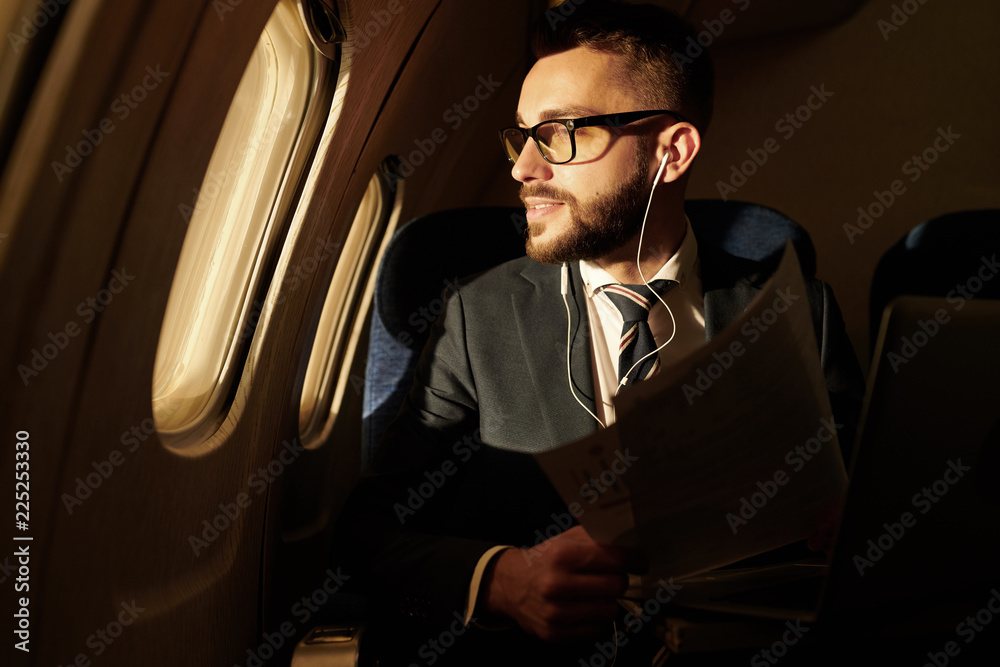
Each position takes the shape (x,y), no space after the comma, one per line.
(935,258)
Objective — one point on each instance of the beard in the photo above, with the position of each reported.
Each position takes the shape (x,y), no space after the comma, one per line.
(600,225)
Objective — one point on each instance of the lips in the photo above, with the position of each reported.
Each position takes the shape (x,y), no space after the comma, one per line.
(537,209)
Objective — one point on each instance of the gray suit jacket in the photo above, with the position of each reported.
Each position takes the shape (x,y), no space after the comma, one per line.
(454,473)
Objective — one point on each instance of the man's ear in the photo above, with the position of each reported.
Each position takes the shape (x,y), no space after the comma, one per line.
(679,143)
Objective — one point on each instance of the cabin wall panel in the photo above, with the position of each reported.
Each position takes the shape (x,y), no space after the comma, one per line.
(97,556)
(892,90)
(466,47)
(212,599)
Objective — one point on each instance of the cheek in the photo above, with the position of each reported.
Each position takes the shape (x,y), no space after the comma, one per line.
(592,143)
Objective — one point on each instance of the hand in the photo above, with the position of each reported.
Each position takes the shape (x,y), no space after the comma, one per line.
(564,588)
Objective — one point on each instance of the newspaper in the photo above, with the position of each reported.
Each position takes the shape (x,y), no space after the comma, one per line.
(727,454)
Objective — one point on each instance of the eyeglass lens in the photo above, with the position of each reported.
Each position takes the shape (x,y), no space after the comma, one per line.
(553,141)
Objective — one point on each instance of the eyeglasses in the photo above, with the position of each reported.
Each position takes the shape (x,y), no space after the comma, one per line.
(557,140)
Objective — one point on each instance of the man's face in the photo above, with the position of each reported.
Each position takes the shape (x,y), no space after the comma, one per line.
(593,205)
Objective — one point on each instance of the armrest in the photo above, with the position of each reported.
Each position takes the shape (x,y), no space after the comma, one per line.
(330,646)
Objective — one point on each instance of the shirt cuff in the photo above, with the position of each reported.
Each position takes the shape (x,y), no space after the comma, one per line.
(477,579)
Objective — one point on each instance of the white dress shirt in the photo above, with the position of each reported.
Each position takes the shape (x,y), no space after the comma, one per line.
(686,302)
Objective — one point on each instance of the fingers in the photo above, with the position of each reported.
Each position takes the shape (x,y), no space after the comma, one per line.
(559,620)
(577,551)
(558,632)
(566,587)
(575,587)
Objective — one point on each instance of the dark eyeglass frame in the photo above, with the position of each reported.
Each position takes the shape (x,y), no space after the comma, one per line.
(571,125)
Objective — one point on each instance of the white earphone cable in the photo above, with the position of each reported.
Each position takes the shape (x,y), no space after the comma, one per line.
(642,231)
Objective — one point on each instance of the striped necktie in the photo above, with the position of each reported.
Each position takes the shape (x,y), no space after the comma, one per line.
(634,302)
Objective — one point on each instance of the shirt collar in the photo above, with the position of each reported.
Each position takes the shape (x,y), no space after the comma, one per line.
(680,267)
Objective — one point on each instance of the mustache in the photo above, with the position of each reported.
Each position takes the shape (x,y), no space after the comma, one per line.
(545,191)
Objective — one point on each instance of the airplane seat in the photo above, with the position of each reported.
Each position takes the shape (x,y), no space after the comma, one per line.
(422,259)
(429,253)
(939,258)
(751,231)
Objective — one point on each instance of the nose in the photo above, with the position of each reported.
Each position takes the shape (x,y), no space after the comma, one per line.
(530,165)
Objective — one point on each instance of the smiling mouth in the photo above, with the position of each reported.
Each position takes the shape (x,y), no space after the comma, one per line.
(538,211)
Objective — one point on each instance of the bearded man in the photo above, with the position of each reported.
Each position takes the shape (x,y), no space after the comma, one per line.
(609,123)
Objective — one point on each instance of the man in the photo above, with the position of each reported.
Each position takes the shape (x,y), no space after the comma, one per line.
(492,387)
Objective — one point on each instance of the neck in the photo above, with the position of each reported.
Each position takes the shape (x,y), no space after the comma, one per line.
(661,239)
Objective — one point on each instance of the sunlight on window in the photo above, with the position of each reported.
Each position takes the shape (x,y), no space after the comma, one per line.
(344,313)
(232,224)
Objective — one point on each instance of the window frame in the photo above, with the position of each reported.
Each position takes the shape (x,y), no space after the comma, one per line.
(280,229)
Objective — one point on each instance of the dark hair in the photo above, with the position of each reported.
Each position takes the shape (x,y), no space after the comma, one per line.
(652,41)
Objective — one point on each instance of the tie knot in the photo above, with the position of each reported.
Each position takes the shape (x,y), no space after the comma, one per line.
(634,301)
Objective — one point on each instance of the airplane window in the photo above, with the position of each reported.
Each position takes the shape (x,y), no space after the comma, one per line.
(328,374)
(235,223)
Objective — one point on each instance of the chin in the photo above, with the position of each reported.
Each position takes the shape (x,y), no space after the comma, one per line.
(538,252)
(538,241)
(554,251)
(544,252)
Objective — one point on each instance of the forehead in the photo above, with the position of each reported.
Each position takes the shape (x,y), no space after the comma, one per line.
(574,83)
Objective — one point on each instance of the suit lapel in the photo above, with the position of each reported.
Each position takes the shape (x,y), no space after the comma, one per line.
(729,284)
(541,324)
